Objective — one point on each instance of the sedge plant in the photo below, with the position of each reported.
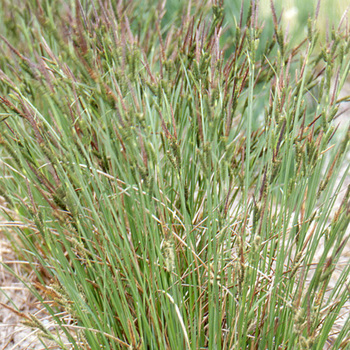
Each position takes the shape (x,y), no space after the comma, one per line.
(175,172)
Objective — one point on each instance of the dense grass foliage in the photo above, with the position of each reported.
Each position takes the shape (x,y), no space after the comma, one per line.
(174,174)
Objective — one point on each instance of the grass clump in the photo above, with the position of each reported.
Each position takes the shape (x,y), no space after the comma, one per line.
(176,175)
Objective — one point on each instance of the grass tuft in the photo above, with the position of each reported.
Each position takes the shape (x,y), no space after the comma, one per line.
(175,176)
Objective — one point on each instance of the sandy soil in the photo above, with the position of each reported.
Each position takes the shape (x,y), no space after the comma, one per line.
(13,334)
